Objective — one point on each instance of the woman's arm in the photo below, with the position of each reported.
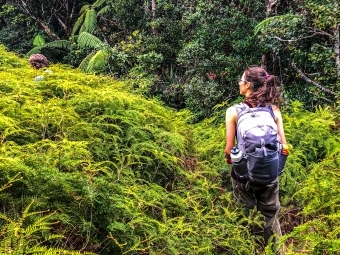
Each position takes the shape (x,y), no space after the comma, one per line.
(279,122)
(230,119)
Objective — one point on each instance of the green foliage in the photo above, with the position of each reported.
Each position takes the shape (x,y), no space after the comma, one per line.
(310,182)
(311,135)
(28,233)
(86,39)
(325,14)
(290,39)
(40,45)
(16,30)
(282,19)
(198,39)
(200,96)
(319,233)
(120,172)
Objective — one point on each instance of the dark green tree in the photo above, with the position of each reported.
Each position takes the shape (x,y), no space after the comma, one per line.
(305,43)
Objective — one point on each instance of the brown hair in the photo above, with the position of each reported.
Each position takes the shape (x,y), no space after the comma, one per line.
(38,61)
(264,87)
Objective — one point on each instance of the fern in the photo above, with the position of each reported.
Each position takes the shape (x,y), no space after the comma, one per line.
(19,237)
(86,39)
(104,10)
(128,175)
(79,22)
(63,44)
(90,22)
(35,50)
(98,3)
(85,62)
(98,62)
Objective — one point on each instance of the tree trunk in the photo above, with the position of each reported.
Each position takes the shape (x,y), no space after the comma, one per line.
(153,11)
(265,57)
(337,49)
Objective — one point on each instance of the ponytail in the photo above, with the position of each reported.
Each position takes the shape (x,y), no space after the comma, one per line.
(264,85)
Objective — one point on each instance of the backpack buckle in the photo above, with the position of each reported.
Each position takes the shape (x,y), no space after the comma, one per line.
(263,146)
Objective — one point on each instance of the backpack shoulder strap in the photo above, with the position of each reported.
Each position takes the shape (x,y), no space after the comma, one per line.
(271,111)
(240,107)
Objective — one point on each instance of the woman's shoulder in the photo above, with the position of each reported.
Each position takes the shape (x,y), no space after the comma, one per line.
(231,112)
(275,107)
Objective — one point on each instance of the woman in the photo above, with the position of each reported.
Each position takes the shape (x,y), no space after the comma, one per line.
(259,88)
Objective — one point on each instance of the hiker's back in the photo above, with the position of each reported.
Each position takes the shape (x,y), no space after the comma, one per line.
(257,138)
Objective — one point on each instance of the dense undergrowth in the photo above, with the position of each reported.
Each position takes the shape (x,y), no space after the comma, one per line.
(88,166)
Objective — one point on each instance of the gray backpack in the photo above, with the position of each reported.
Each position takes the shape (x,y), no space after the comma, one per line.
(257,138)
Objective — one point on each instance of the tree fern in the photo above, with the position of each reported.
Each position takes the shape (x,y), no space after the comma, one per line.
(79,22)
(86,39)
(98,62)
(85,62)
(63,44)
(90,21)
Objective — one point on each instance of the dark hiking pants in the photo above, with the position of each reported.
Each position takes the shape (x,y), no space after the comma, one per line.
(266,198)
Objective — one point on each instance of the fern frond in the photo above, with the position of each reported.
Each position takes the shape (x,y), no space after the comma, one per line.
(26,210)
(98,3)
(98,62)
(4,217)
(85,8)
(85,62)
(87,40)
(35,50)
(103,10)
(77,25)
(64,44)
(90,22)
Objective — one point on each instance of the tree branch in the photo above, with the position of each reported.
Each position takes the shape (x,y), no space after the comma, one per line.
(302,38)
(295,40)
(270,5)
(303,76)
(26,10)
(322,98)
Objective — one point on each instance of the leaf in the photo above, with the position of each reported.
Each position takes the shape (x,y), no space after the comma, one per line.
(104,10)
(38,41)
(98,3)
(85,8)
(87,40)
(84,63)
(97,62)
(90,22)
(35,50)
(64,44)
(78,24)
